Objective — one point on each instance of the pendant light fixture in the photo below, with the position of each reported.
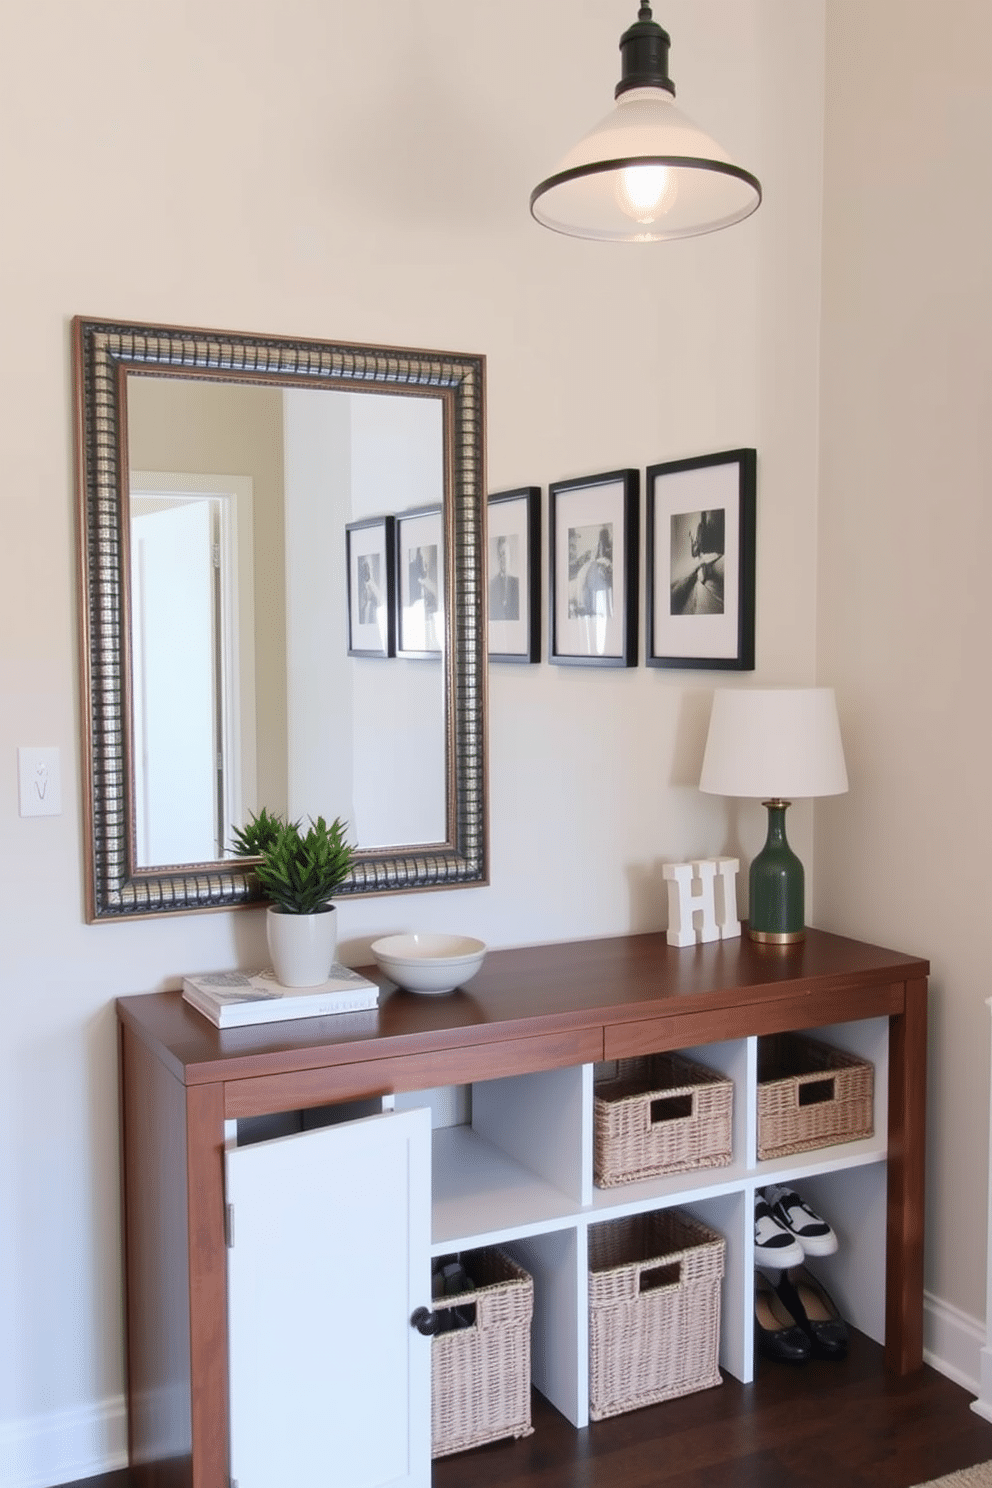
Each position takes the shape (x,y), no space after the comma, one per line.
(646,173)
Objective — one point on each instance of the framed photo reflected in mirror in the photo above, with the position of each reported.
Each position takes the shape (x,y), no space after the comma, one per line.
(370,557)
(420,583)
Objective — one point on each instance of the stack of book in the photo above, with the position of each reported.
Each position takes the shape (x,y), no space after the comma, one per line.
(233,999)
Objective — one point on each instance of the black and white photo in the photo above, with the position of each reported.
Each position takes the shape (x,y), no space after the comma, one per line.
(504,586)
(700,561)
(514,575)
(593,526)
(420,570)
(590,572)
(371,610)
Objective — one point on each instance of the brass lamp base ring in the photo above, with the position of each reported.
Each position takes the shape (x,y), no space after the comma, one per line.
(776,937)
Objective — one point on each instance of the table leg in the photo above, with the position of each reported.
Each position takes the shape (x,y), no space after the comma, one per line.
(906,1182)
(207,1284)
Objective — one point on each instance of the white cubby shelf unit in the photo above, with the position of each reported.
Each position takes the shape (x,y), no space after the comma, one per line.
(512,1165)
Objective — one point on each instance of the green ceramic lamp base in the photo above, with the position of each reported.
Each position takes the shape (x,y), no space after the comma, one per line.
(777,886)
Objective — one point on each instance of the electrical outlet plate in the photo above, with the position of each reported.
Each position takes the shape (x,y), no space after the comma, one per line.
(39,779)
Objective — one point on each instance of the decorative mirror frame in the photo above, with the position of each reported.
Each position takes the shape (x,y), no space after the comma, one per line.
(105,352)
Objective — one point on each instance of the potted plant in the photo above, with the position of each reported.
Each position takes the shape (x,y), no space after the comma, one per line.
(298,870)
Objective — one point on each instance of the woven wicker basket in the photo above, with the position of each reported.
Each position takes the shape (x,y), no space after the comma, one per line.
(654,1310)
(480,1376)
(659,1114)
(810,1095)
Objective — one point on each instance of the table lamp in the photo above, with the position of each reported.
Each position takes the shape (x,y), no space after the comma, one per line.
(775,744)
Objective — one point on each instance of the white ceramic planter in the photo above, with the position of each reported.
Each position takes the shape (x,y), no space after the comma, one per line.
(302,947)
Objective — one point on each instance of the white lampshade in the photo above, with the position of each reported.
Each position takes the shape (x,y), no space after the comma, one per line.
(645,173)
(778,743)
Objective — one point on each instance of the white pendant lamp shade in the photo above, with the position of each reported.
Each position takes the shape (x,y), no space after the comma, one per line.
(646,173)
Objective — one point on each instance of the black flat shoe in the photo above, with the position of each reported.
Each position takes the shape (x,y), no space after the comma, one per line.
(814,1310)
(777,1334)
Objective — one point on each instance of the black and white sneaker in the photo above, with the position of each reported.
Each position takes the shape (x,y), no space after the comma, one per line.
(775,1247)
(795,1216)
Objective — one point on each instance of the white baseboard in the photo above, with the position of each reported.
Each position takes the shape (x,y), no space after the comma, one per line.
(43,1451)
(983,1405)
(62,1446)
(953,1342)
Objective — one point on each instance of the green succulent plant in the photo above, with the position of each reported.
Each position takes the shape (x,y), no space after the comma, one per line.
(254,839)
(299,870)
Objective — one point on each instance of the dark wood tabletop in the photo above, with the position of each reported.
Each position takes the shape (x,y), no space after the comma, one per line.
(525,992)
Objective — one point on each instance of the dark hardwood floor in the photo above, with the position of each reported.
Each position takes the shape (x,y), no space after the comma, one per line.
(822,1425)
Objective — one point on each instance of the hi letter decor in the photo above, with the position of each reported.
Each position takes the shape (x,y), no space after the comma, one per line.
(707,886)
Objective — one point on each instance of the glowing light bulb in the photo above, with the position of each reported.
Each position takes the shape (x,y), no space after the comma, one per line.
(646,192)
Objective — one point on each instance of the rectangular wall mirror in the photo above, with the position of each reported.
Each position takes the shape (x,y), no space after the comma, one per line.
(222,481)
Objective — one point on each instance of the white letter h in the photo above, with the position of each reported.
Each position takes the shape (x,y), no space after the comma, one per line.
(684,902)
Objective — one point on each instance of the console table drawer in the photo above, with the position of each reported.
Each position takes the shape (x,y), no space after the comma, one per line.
(810,1008)
(257,1096)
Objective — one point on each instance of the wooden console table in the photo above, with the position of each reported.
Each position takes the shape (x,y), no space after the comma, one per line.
(524,1034)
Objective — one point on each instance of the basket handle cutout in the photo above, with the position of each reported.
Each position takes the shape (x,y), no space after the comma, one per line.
(654,1277)
(816,1092)
(671,1108)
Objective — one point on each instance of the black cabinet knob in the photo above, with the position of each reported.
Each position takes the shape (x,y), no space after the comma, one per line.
(425,1321)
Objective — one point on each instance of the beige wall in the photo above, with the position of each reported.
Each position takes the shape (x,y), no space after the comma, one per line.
(905,518)
(333,168)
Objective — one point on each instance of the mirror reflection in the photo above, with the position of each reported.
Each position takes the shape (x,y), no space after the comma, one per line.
(244,692)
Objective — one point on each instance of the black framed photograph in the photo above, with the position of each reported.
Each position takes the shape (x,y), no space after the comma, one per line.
(699,588)
(514,581)
(371,591)
(592,531)
(420,582)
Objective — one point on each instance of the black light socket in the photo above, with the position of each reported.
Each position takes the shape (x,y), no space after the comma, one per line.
(644,56)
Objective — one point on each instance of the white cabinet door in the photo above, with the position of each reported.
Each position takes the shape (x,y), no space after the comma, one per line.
(329,1383)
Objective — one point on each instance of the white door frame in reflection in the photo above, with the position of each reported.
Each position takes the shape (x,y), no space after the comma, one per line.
(194,759)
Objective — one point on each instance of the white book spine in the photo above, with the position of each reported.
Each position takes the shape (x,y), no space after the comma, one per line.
(228,1010)
(240,1014)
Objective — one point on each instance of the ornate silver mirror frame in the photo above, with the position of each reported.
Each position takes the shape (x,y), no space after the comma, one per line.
(105,352)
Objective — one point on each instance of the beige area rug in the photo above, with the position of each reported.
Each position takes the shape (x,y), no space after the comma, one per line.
(969,1477)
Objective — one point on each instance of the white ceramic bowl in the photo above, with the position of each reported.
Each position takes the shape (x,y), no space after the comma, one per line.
(429,963)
